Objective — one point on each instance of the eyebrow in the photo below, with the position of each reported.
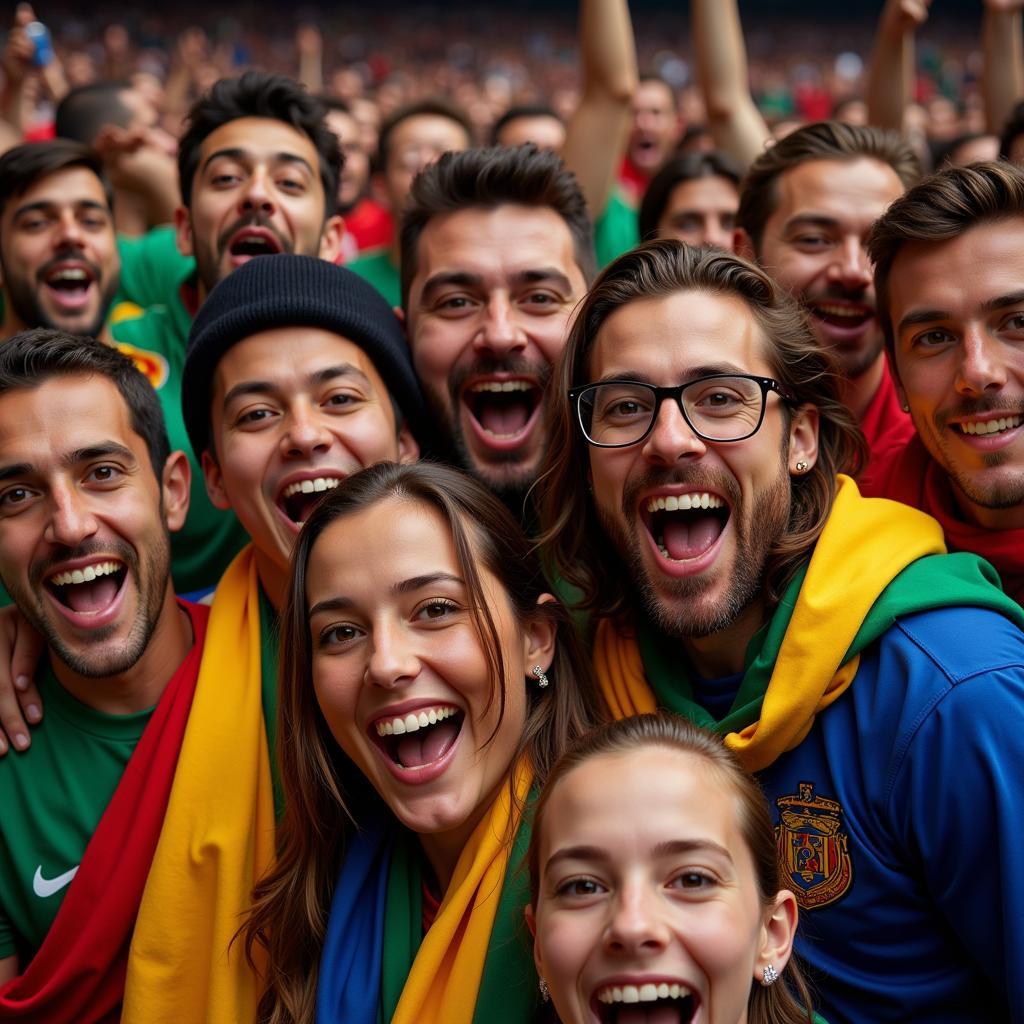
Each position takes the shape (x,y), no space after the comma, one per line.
(695,372)
(668,848)
(46,205)
(103,450)
(318,379)
(414,583)
(465,279)
(237,153)
(810,220)
(929,316)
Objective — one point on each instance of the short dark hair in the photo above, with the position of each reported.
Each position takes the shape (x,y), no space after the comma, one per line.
(521,110)
(259,94)
(685,167)
(1014,126)
(424,108)
(82,114)
(492,177)
(571,532)
(653,77)
(30,358)
(824,140)
(22,166)
(940,208)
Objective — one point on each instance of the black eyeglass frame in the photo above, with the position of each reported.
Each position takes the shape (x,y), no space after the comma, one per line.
(676,391)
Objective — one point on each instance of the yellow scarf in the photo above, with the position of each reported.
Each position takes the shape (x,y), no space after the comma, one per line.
(218,834)
(880,538)
(444,982)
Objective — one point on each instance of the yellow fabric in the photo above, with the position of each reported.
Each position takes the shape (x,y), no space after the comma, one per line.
(218,835)
(865,544)
(445,978)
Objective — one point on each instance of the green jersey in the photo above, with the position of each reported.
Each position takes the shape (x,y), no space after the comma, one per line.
(152,271)
(378,269)
(53,797)
(616,230)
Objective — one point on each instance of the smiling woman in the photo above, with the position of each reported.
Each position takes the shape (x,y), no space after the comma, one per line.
(655,885)
(416,715)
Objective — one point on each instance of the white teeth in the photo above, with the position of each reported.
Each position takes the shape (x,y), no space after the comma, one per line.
(841,311)
(502,385)
(400,725)
(70,274)
(990,426)
(321,483)
(86,575)
(647,993)
(671,503)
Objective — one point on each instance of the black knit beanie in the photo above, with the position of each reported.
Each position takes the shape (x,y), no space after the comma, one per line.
(295,291)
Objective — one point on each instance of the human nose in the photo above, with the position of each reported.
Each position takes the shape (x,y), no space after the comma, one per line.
(637,924)
(981,367)
(69,232)
(257,194)
(304,433)
(850,265)
(717,235)
(672,438)
(71,521)
(499,333)
(393,659)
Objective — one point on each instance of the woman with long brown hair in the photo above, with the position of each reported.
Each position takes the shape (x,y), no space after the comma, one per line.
(428,682)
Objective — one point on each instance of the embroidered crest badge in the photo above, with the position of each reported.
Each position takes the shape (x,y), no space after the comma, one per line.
(813,847)
(151,364)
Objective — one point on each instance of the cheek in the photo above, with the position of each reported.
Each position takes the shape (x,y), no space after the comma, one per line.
(438,347)
(608,478)
(370,435)
(337,692)
(566,940)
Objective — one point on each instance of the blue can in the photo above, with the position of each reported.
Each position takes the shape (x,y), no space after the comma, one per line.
(40,36)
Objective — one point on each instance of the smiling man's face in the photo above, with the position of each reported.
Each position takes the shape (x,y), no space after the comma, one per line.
(488,311)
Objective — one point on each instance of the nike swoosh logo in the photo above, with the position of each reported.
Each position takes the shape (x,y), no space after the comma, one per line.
(44,887)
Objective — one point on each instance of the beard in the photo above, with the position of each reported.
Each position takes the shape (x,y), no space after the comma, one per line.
(683,608)
(25,301)
(209,258)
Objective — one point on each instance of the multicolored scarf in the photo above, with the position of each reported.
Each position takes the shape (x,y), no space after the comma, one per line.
(473,964)
(875,561)
(915,478)
(77,976)
(218,835)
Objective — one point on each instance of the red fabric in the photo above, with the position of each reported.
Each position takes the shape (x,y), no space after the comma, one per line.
(77,976)
(912,476)
(368,226)
(431,905)
(41,131)
(633,181)
(886,427)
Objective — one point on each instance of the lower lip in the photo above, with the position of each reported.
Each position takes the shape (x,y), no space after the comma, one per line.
(86,623)
(989,442)
(688,566)
(292,527)
(71,302)
(843,334)
(502,443)
(420,776)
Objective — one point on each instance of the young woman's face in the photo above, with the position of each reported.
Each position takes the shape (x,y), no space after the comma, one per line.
(648,909)
(400,672)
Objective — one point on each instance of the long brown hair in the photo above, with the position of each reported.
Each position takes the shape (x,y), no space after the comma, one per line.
(786,1002)
(571,535)
(323,790)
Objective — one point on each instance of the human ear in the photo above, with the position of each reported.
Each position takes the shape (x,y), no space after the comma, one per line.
(330,239)
(175,483)
(539,638)
(803,439)
(408,449)
(777,933)
(214,480)
(183,232)
(743,245)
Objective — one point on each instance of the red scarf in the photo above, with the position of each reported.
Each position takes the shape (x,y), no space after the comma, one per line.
(77,976)
(886,428)
(912,476)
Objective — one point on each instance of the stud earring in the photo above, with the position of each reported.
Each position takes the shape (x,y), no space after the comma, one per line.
(770,975)
(545,992)
(801,466)
(905,407)
(542,679)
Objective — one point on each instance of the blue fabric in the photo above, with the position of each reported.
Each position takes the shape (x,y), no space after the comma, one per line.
(348,989)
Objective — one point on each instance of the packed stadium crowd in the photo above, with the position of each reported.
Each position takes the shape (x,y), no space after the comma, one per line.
(512,515)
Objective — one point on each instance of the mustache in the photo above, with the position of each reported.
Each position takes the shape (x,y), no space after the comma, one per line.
(861,295)
(39,570)
(706,478)
(252,220)
(69,253)
(977,407)
(489,366)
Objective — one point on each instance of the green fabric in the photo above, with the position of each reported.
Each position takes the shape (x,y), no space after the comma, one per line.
(378,269)
(211,538)
(616,231)
(936,581)
(508,988)
(52,798)
(152,269)
(269,660)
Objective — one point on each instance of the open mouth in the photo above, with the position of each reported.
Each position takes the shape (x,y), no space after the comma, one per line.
(846,315)
(251,242)
(69,285)
(685,526)
(420,738)
(503,409)
(90,590)
(661,1003)
(298,499)
(982,428)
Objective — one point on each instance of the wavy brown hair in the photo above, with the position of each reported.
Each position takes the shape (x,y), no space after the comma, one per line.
(571,536)
(324,792)
(788,1001)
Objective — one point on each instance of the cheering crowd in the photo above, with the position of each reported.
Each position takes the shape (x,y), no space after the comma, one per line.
(511,548)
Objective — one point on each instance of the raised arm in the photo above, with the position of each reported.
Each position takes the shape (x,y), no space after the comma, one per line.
(894,62)
(735,122)
(1003,70)
(596,132)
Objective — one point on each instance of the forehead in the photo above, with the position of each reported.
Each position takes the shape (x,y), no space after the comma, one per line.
(497,244)
(670,337)
(67,186)
(652,95)
(259,138)
(63,414)
(957,276)
(713,191)
(849,191)
(434,130)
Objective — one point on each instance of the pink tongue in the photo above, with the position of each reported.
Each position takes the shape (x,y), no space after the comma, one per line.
(690,536)
(503,418)
(661,1014)
(91,597)
(426,745)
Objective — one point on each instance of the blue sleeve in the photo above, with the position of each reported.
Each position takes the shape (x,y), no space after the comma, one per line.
(958,793)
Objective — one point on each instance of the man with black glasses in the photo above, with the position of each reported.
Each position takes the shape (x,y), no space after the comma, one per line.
(748,586)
